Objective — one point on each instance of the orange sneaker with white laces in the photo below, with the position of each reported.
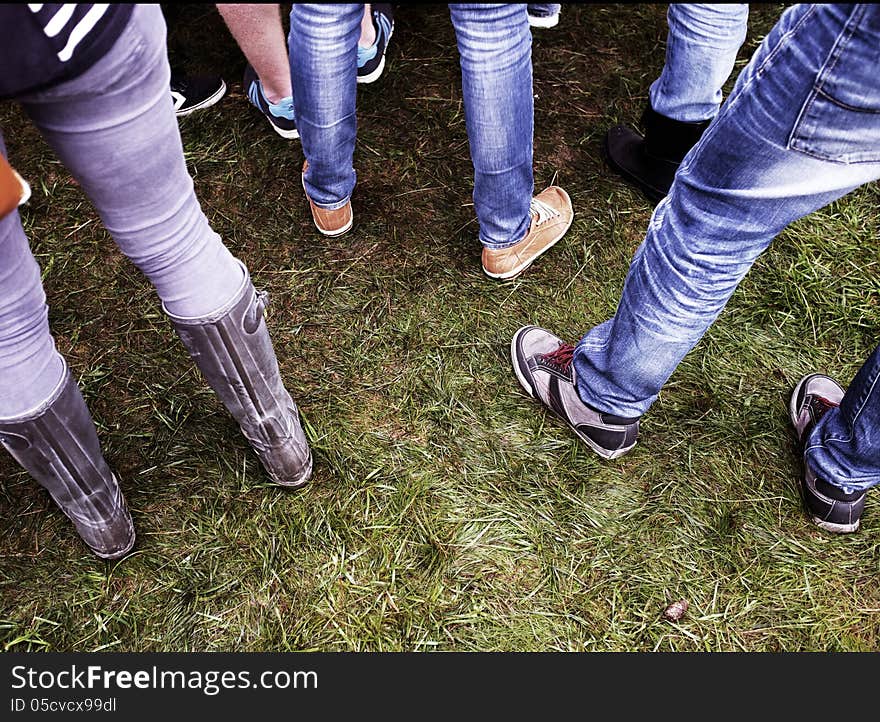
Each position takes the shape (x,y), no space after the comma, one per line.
(552,215)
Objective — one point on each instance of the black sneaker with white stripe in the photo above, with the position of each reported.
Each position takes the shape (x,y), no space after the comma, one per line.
(195,92)
(543,365)
(830,507)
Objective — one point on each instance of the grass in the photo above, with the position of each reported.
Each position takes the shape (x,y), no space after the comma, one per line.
(447,510)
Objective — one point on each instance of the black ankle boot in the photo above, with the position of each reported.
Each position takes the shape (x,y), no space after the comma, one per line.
(649,162)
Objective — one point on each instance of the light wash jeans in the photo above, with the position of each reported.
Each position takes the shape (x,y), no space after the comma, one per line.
(701,49)
(800,129)
(494,43)
(114,129)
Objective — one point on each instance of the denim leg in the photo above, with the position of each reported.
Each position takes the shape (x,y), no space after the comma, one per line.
(844,446)
(800,129)
(495,51)
(701,48)
(323,71)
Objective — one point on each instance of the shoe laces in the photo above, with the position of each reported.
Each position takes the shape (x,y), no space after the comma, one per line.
(561,358)
(543,212)
(824,405)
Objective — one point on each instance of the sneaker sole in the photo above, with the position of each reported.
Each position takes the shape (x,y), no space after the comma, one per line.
(374,76)
(287,134)
(835,528)
(342,230)
(604,453)
(550,22)
(513,273)
(818,521)
(206,103)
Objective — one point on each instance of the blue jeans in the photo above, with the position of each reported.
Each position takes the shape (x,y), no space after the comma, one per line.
(494,43)
(701,48)
(114,129)
(800,129)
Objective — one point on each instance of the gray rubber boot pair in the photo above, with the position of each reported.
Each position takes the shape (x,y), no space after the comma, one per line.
(59,447)
(233,350)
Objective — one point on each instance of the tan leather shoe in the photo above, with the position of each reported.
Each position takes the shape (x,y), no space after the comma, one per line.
(551,217)
(333,222)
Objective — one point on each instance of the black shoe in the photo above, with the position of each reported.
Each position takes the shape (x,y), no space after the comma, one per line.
(830,507)
(543,365)
(280,115)
(650,161)
(371,61)
(194,92)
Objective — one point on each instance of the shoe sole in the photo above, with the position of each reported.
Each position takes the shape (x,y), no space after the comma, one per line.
(206,103)
(818,521)
(287,134)
(513,273)
(604,453)
(550,22)
(331,234)
(374,76)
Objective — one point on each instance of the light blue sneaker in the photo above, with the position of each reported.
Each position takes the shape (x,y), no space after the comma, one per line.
(371,61)
(280,114)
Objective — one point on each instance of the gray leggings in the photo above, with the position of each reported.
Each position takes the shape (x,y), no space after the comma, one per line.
(115,130)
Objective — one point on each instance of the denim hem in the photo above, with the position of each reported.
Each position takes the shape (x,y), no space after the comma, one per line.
(333,206)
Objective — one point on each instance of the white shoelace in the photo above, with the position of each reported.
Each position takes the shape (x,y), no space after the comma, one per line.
(543,211)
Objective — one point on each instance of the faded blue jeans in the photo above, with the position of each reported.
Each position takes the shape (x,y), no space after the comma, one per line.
(800,129)
(701,49)
(494,43)
(114,129)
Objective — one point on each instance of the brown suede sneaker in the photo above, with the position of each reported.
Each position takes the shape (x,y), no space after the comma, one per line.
(329,222)
(551,217)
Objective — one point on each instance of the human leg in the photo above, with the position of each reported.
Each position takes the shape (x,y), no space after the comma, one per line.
(494,44)
(44,422)
(258,30)
(701,48)
(777,151)
(124,147)
(323,46)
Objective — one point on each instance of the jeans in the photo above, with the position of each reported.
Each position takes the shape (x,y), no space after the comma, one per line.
(494,43)
(701,48)
(800,129)
(114,129)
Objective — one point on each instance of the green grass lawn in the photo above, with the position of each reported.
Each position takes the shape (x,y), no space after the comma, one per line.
(447,510)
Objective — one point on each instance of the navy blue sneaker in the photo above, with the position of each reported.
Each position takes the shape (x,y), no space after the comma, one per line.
(190,93)
(279,115)
(830,507)
(371,61)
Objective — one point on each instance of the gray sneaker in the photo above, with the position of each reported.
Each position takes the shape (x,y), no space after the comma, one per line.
(543,365)
(831,508)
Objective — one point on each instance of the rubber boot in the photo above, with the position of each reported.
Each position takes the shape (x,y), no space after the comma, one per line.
(233,351)
(59,447)
(650,161)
